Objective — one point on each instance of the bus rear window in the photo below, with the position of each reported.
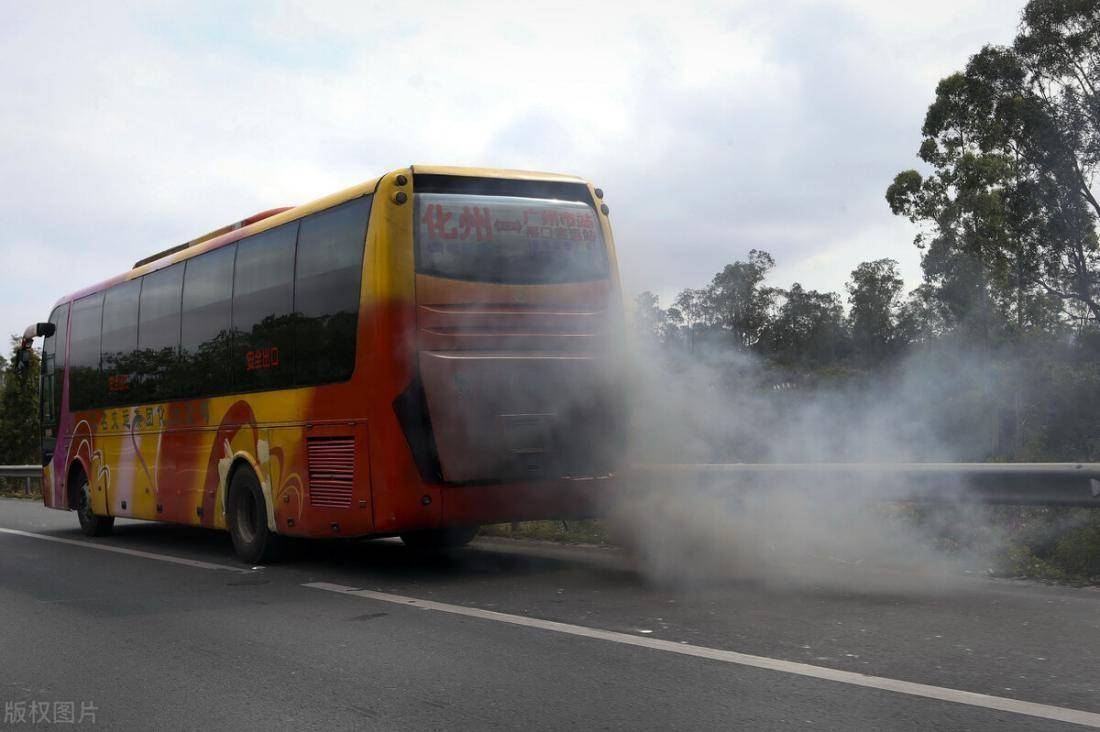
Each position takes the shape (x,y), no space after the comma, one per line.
(508,239)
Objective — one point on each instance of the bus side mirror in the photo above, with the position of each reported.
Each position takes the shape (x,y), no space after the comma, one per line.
(22,359)
(39,329)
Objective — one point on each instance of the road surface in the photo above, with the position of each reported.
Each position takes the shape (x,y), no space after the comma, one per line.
(159,626)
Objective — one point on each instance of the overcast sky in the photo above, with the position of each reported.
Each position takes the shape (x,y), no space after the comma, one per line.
(715,128)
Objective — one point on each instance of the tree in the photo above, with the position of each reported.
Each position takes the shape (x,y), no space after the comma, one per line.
(20,437)
(921,317)
(960,208)
(737,300)
(1049,240)
(694,312)
(808,329)
(1059,53)
(874,293)
(1014,144)
(650,321)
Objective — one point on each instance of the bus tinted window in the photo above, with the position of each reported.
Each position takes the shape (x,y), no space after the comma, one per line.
(158,333)
(86,387)
(263,310)
(327,281)
(508,239)
(205,324)
(119,345)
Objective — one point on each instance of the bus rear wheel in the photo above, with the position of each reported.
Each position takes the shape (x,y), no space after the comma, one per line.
(452,537)
(246,513)
(91,523)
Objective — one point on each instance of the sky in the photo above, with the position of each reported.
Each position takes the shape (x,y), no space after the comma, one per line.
(714,128)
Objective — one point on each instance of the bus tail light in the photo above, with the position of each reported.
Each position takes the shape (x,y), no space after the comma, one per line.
(411,409)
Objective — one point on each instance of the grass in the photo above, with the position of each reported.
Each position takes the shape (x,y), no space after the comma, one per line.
(1059,545)
(14,488)
(1047,544)
(1050,544)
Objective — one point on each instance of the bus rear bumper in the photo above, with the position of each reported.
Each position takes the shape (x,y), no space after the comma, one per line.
(493,503)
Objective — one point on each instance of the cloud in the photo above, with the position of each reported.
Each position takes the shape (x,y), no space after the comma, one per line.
(715,128)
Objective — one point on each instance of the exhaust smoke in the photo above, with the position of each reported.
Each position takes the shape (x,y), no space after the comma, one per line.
(718,405)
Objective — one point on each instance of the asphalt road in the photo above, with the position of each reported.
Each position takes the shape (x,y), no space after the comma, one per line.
(509,634)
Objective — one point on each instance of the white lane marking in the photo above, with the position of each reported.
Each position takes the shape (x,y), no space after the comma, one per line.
(1044,711)
(131,552)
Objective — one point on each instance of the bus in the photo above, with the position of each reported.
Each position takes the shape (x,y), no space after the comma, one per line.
(428,352)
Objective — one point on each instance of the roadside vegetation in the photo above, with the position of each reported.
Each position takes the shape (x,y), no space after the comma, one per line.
(16,488)
(1055,545)
(19,439)
(588,531)
(19,424)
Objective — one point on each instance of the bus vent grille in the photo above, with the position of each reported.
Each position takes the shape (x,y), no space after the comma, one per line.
(331,471)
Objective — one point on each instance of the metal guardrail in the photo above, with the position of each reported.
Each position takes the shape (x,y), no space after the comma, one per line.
(26,472)
(1043,484)
(1040,484)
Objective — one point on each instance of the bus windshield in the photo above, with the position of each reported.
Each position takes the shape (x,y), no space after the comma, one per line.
(507,239)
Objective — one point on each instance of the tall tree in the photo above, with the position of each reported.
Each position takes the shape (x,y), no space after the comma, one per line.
(808,328)
(921,317)
(738,301)
(694,313)
(650,321)
(959,206)
(874,294)
(1059,51)
(1014,145)
(19,434)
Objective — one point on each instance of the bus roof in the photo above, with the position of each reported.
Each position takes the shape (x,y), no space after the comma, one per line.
(274,217)
(494,173)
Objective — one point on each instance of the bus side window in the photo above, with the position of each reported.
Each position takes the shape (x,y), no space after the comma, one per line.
(86,387)
(327,282)
(205,325)
(158,334)
(119,346)
(262,351)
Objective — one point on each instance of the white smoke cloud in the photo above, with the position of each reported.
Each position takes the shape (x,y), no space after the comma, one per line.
(722,406)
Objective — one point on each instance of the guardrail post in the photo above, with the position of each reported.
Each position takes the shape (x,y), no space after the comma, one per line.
(27,486)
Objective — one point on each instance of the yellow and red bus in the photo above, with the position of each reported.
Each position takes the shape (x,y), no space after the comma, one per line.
(416,356)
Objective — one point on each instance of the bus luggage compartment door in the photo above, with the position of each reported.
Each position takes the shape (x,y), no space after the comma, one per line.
(521,415)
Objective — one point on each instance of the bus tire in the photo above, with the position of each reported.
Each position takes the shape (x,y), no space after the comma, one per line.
(246,515)
(452,537)
(91,523)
